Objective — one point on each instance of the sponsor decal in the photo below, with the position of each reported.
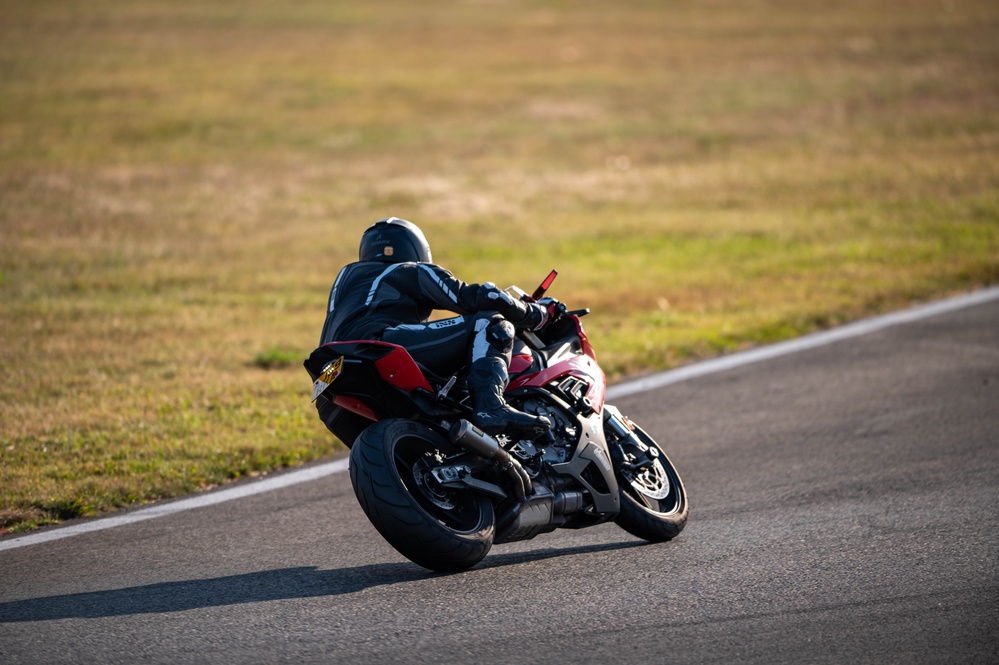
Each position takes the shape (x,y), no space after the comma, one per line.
(445,323)
(389,250)
(601,458)
(329,374)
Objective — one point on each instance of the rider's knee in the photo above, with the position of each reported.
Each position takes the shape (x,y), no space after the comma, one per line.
(500,334)
(494,333)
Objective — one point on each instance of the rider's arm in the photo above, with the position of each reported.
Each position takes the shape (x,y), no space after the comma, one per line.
(447,292)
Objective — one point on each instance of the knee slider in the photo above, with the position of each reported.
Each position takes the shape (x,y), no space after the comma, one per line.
(500,334)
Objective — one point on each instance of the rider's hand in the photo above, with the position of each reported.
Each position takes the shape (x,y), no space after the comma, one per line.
(553,311)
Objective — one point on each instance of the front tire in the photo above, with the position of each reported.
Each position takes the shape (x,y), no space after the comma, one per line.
(653,499)
(438,528)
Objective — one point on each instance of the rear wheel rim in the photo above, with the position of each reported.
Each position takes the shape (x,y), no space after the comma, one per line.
(460,511)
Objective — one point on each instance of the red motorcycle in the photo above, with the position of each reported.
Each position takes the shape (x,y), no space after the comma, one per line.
(442,492)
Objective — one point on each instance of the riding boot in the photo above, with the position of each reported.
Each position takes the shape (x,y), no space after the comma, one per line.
(487,379)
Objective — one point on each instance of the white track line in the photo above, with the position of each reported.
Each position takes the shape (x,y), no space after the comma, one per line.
(614,392)
(830,336)
(198,501)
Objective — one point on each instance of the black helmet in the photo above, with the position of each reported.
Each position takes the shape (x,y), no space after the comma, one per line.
(394,240)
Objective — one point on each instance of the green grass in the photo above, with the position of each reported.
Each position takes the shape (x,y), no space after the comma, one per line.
(180,182)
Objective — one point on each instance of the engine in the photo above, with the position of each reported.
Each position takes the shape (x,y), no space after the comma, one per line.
(556,447)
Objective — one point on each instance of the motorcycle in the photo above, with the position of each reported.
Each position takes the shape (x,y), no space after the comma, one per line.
(442,492)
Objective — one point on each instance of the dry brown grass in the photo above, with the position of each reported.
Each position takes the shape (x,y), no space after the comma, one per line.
(180,181)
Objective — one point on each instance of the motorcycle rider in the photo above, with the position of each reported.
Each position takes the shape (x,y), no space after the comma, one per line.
(389,294)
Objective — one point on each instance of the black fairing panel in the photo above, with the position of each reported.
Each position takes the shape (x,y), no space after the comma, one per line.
(591,466)
(359,378)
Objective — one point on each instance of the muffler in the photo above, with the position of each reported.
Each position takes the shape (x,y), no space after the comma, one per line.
(474,440)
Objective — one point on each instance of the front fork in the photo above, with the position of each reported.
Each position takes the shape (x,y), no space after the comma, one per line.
(630,453)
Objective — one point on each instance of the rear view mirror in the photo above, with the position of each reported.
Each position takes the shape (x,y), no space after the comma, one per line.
(544,286)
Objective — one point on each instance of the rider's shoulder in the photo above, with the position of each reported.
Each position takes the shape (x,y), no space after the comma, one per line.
(402,268)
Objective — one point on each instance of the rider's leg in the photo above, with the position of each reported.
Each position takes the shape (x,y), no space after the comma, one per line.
(492,348)
(441,347)
(438,346)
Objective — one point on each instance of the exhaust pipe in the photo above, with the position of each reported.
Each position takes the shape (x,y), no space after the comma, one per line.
(474,440)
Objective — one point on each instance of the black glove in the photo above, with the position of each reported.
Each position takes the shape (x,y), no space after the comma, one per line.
(552,309)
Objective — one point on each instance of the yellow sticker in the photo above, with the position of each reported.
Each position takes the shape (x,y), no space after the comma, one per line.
(331,371)
(328,376)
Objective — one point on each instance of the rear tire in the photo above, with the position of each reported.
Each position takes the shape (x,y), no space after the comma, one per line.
(653,501)
(438,528)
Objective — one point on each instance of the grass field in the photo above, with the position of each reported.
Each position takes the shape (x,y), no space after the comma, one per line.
(180,181)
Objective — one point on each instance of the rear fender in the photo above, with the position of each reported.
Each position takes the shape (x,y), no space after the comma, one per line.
(374,379)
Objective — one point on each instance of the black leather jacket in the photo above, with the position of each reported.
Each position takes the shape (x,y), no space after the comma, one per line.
(369,296)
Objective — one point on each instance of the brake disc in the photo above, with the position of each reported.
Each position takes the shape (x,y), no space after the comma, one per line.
(651,480)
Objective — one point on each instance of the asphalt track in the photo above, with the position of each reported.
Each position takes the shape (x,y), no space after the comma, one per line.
(844,508)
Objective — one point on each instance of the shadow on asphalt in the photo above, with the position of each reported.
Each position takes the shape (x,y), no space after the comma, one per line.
(281,584)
